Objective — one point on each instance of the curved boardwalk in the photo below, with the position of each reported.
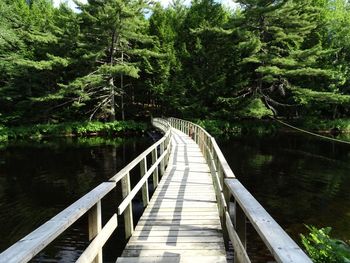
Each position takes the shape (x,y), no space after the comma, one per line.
(181,222)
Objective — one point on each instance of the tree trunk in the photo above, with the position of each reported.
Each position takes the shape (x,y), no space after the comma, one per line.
(112,109)
(111,80)
(122,91)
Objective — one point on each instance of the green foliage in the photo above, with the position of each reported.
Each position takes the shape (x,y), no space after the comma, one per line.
(255,109)
(38,131)
(317,124)
(3,134)
(324,249)
(225,129)
(287,58)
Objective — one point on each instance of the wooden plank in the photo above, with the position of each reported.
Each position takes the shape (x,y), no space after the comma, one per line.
(184,205)
(282,247)
(30,245)
(162,216)
(117,177)
(178,209)
(241,255)
(174,239)
(177,227)
(172,233)
(222,160)
(174,246)
(166,222)
(138,186)
(182,217)
(128,215)
(155,173)
(178,259)
(143,171)
(96,245)
(95,226)
(172,253)
(183,213)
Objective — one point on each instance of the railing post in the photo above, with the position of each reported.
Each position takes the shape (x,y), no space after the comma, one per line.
(128,217)
(240,226)
(143,169)
(95,226)
(155,173)
(227,196)
(161,151)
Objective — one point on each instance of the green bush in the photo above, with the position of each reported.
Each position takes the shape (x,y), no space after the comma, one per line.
(3,134)
(220,128)
(324,249)
(72,128)
(317,124)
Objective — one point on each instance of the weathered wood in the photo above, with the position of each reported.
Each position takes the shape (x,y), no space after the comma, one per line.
(155,173)
(95,226)
(138,186)
(30,245)
(282,247)
(177,233)
(241,255)
(174,253)
(128,215)
(176,246)
(179,239)
(162,163)
(240,224)
(143,171)
(176,227)
(166,128)
(182,217)
(173,259)
(91,252)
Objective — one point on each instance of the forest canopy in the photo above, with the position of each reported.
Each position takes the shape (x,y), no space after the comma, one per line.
(127,59)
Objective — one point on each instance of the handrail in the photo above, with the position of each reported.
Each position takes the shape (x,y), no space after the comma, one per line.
(246,207)
(29,246)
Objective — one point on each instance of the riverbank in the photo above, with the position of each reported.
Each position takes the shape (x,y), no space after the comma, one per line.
(217,128)
(226,129)
(92,128)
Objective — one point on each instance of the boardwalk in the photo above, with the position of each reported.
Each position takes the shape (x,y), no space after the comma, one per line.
(186,217)
(181,222)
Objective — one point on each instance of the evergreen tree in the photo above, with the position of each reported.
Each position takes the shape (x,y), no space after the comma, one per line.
(165,26)
(28,61)
(278,66)
(111,33)
(203,56)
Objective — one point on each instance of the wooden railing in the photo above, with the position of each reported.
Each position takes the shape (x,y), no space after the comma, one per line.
(245,207)
(25,249)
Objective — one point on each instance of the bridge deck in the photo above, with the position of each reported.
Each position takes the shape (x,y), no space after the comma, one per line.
(181,222)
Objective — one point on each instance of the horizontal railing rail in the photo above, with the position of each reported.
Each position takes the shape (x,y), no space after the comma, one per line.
(245,207)
(29,246)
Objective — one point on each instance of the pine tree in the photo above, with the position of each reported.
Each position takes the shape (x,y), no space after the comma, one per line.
(110,51)
(277,63)
(164,25)
(27,59)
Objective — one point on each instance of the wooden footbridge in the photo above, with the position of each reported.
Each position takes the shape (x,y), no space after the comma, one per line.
(198,206)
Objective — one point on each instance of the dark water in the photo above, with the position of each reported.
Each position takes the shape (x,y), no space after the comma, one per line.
(39,179)
(299,179)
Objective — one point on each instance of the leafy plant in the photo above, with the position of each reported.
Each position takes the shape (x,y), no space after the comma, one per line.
(324,249)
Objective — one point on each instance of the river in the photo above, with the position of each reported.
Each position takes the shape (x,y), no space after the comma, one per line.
(299,179)
(39,179)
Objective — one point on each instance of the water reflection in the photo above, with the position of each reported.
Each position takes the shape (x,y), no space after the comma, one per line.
(39,179)
(299,179)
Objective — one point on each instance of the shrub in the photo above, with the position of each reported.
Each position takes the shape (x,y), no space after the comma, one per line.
(324,249)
